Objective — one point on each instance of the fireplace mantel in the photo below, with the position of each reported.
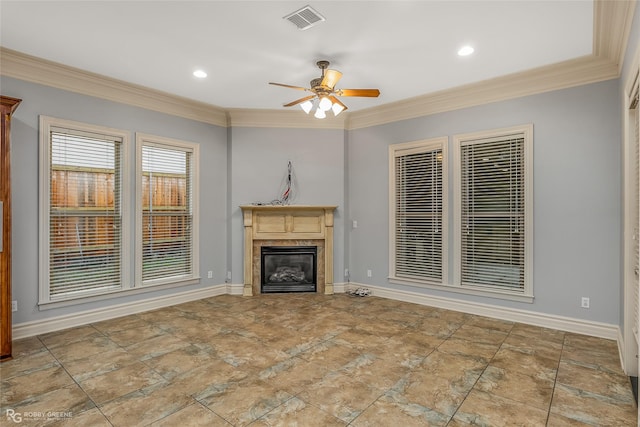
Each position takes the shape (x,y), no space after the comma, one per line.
(291,225)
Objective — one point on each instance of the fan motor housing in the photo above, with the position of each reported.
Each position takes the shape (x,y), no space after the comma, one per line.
(315,82)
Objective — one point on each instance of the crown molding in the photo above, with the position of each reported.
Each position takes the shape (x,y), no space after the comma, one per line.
(244,117)
(575,72)
(611,28)
(612,22)
(37,70)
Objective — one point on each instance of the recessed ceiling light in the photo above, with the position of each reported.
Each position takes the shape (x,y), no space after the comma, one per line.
(465,51)
(200,74)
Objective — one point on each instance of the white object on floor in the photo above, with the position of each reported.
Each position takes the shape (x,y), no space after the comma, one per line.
(359,292)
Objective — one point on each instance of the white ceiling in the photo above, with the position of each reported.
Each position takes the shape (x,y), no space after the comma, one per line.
(404,48)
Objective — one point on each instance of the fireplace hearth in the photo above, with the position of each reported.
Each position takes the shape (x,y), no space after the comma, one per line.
(288,269)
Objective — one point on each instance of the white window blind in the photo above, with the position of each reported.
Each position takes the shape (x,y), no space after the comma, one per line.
(418,212)
(167,213)
(493,212)
(84,214)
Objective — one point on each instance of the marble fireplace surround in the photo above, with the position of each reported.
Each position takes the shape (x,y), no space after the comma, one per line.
(291,225)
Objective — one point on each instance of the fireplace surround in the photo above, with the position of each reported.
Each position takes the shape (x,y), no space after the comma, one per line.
(287,226)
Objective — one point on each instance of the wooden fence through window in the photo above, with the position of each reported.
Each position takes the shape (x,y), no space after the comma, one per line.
(83,217)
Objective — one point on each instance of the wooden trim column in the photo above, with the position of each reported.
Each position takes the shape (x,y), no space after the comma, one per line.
(8,106)
(248,253)
(328,251)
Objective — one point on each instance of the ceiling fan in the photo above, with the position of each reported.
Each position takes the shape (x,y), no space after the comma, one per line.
(325,94)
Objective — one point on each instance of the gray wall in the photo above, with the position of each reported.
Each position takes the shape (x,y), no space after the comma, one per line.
(238,166)
(577,202)
(259,158)
(43,100)
(577,189)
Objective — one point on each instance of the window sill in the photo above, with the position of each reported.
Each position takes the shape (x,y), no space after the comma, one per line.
(489,293)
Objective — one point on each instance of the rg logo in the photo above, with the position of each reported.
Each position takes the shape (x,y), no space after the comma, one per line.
(14,416)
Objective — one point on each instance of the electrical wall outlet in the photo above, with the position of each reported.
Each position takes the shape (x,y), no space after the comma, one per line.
(355,224)
(369,273)
(346,272)
(585,302)
(228,275)
(14,305)
(210,274)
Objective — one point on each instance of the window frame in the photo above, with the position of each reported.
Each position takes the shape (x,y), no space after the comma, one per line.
(143,139)
(408,148)
(129,262)
(47,125)
(631,226)
(526,295)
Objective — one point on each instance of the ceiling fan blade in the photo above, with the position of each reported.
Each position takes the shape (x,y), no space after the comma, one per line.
(330,78)
(289,86)
(337,101)
(371,93)
(299,101)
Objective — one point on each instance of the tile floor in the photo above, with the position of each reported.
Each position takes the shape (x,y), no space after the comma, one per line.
(313,360)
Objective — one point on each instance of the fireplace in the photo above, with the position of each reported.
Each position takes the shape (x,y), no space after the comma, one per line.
(294,228)
(288,269)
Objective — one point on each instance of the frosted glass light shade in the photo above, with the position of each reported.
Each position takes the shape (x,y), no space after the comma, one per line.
(307,106)
(325,104)
(337,109)
(320,114)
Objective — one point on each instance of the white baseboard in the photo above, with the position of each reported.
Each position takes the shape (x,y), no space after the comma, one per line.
(51,324)
(235,288)
(339,288)
(579,326)
(621,347)
(596,329)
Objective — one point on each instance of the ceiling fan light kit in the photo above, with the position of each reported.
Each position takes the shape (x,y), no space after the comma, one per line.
(324,93)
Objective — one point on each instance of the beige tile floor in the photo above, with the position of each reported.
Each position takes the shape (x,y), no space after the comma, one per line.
(313,360)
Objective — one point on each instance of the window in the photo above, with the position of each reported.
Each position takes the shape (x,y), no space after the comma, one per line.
(493,221)
(418,211)
(82,225)
(166,212)
(85,220)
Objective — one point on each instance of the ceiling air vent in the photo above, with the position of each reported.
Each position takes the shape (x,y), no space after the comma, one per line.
(304,18)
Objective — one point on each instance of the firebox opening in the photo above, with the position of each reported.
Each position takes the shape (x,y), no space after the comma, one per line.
(288,269)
